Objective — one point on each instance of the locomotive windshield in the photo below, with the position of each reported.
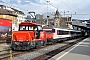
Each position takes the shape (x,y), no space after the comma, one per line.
(27,28)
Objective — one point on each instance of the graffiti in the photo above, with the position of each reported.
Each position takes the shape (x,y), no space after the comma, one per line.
(5,32)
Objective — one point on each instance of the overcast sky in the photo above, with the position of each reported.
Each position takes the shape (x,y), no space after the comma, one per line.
(40,6)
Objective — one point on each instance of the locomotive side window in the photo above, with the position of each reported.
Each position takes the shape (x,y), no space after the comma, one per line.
(48,31)
(39,27)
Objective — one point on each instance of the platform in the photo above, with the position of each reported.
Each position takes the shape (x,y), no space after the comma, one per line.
(80,51)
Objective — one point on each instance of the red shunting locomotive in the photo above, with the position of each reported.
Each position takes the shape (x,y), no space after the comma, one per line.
(30,35)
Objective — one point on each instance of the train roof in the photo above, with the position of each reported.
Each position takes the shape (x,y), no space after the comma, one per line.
(30,23)
(53,27)
(60,28)
(74,30)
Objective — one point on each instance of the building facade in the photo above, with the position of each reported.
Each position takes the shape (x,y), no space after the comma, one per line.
(6,13)
(20,15)
(59,21)
(12,14)
(67,22)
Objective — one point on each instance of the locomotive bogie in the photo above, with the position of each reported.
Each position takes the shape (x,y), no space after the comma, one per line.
(20,45)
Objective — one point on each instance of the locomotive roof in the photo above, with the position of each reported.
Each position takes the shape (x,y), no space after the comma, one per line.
(29,23)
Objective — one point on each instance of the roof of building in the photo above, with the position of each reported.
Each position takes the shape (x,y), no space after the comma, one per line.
(7,12)
(20,12)
(57,12)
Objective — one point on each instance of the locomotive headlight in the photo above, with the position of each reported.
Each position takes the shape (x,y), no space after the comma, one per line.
(17,43)
(14,40)
(27,40)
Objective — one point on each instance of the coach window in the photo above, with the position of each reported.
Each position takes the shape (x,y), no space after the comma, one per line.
(72,32)
(60,32)
(65,32)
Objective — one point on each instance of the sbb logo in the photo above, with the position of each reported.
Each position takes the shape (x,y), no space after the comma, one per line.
(42,34)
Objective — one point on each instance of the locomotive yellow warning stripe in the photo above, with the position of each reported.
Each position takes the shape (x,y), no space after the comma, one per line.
(29,36)
(35,38)
(12,38)
(46,38)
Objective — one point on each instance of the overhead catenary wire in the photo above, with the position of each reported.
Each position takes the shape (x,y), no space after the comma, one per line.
(73,10)
(44,6)
(54,7)
(25,9)
(68,6)
(19,7)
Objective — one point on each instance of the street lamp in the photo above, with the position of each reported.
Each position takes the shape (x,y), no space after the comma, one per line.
(47,10)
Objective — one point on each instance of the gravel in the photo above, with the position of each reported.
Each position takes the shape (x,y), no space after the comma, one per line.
(37,53)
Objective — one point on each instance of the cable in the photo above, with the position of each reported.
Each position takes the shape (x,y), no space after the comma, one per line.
(51,4)
(68,6)
(54,6)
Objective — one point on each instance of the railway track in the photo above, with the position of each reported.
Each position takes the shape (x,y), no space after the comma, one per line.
(41,57)
(6,56)
(50,54)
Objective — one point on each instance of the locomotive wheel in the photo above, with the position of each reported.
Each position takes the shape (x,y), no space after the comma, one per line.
(44,43)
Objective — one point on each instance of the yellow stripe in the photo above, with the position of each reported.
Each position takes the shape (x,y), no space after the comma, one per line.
(29,36)
(12,38)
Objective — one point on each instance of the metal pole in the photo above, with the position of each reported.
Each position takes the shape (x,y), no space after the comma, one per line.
(10,54)
(71,16)
(47,11)
(64,13)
